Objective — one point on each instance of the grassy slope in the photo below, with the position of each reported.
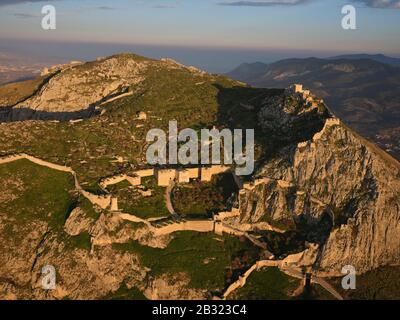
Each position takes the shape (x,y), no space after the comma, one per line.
(205,258)
(143,207)
(11,94)
(202,199)
(123,293)
(267,284)
(32,193)
(378,284)
(43,193)
(193,99)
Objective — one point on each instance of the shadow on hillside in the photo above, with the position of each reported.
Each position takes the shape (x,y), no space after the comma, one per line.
(239,108)
(9,114)
(13,114)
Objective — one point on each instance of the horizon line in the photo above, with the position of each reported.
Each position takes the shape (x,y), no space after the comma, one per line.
(200,47)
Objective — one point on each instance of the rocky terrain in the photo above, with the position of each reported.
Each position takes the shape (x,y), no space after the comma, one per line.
(319,188)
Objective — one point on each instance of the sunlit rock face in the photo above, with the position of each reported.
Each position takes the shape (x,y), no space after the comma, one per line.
(344,190)
(79,87)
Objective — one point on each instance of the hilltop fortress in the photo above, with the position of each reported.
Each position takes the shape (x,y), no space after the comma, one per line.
(166,176)
(306,95)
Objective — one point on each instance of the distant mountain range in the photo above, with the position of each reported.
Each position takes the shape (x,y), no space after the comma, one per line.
(376,57)
(363,90)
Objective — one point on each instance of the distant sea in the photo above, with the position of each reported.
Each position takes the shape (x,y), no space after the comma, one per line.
(214,60)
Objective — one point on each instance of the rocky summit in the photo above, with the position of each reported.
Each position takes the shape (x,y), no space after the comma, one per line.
(77,192)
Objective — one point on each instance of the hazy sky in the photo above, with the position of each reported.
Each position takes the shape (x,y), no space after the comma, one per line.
(274,25)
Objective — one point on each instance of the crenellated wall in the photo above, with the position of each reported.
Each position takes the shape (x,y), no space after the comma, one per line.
(203,226)
(185,175)
(235,212)
(241,282)
(134,181)
(165,176)
(208,172)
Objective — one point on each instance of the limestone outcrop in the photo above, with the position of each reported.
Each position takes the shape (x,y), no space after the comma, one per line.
(343,189)
(81,86)
(172,287)
(77,222)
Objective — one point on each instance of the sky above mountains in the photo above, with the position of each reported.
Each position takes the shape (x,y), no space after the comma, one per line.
(276,26)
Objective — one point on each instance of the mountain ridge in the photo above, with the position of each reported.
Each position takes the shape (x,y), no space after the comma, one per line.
(376,57)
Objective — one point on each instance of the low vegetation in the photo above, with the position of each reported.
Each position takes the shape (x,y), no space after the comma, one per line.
(267,284)
(36,193)
(204,198)
(124,293)
(283,243)
(11,94)
(131,201)
(207,259)
(32,194)
(378,284)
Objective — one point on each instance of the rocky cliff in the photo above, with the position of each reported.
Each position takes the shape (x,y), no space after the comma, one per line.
(77,88)
(344,191)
